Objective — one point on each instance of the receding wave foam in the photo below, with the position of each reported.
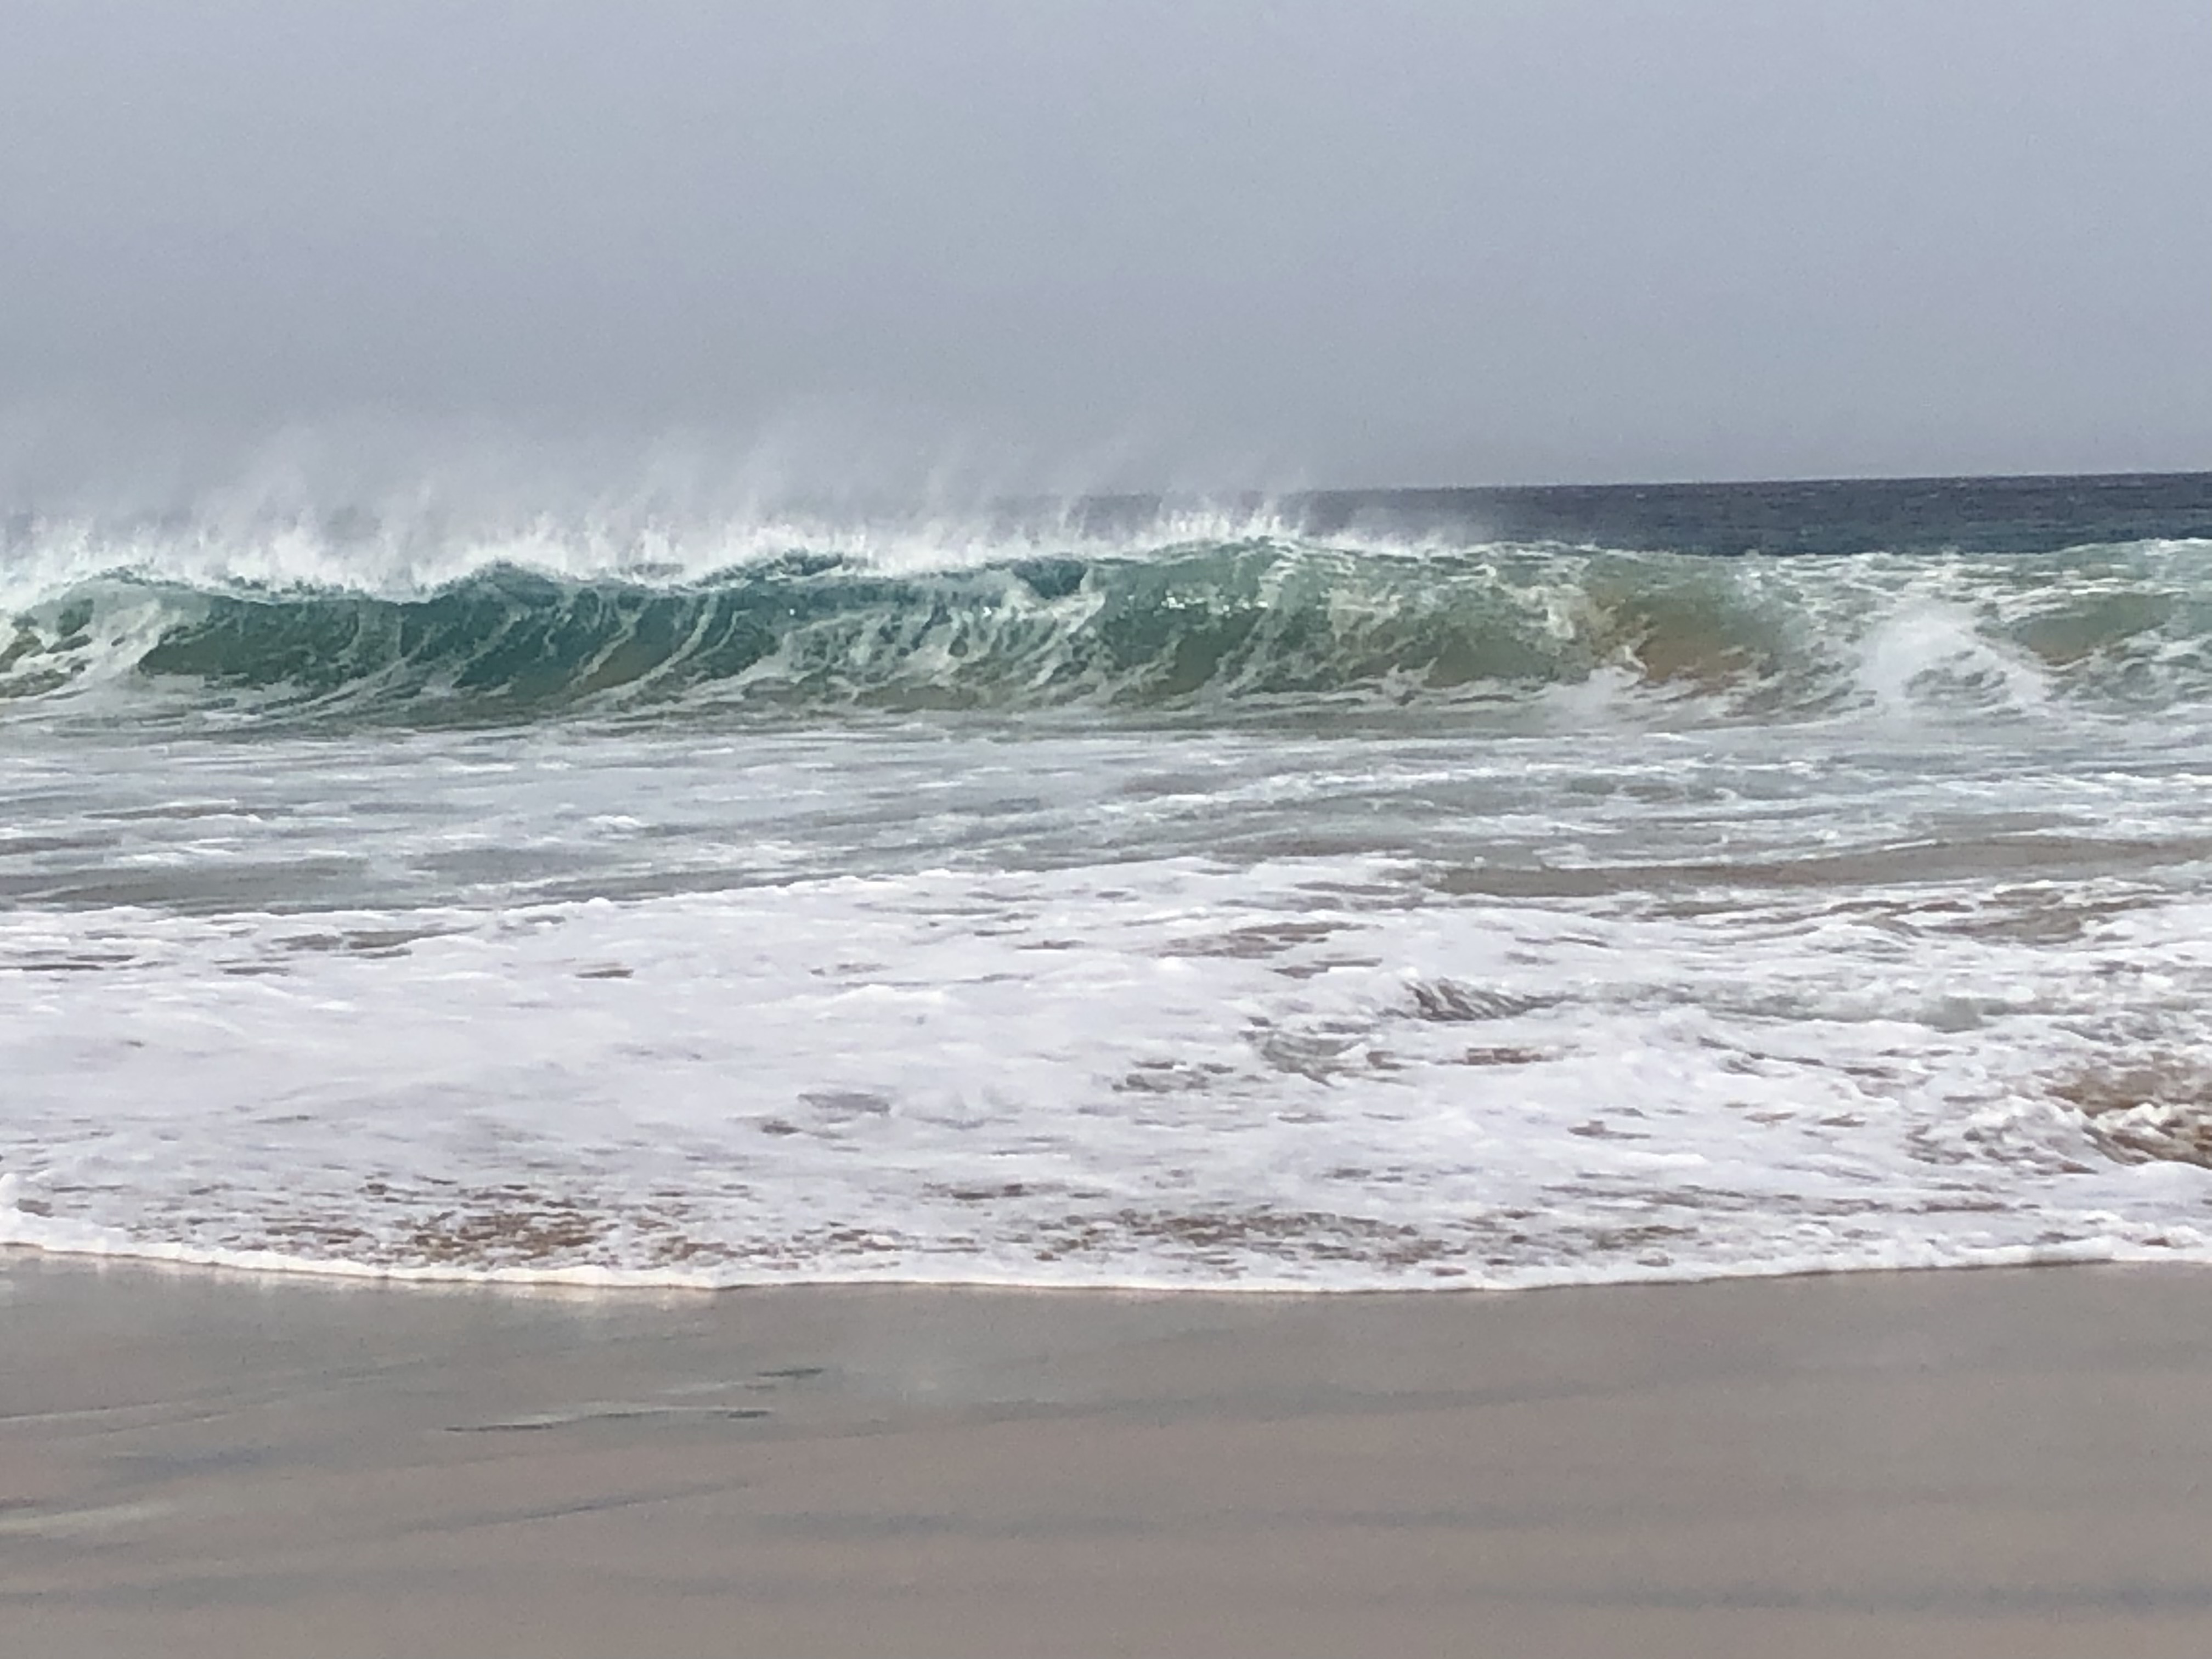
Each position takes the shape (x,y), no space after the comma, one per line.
(1255,618)
(1301,1074)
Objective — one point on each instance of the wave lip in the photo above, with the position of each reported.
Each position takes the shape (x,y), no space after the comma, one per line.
(1262,621)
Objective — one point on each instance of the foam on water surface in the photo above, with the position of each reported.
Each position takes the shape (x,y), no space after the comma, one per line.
(1081,1008)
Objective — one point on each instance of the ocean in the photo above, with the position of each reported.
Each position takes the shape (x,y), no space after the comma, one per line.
(1393,890)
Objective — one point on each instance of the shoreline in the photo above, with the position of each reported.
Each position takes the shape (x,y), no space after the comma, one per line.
(2009,1462)
(261,1264)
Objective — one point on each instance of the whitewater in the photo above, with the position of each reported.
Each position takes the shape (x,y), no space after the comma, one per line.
(1447,889)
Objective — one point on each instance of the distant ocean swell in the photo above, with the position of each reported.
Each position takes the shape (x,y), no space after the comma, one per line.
(1255,621)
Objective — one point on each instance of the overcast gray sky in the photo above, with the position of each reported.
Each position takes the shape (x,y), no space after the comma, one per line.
(1198,243)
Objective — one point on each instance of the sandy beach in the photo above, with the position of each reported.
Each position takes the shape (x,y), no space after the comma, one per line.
(1990,1463)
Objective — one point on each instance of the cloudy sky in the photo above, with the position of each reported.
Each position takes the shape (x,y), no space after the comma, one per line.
(1186,242)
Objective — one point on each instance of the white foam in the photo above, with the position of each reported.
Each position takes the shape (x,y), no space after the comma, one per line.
(1931,652)
(404,553)
(1082,1008)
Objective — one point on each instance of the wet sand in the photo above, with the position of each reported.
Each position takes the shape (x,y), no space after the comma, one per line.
(2002,1463)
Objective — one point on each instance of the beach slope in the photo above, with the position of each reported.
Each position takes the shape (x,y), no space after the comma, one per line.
(2007,1463)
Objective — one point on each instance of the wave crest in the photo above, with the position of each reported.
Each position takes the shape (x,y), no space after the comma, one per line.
(1250,621)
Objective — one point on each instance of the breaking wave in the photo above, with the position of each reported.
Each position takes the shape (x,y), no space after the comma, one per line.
(1254,621)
